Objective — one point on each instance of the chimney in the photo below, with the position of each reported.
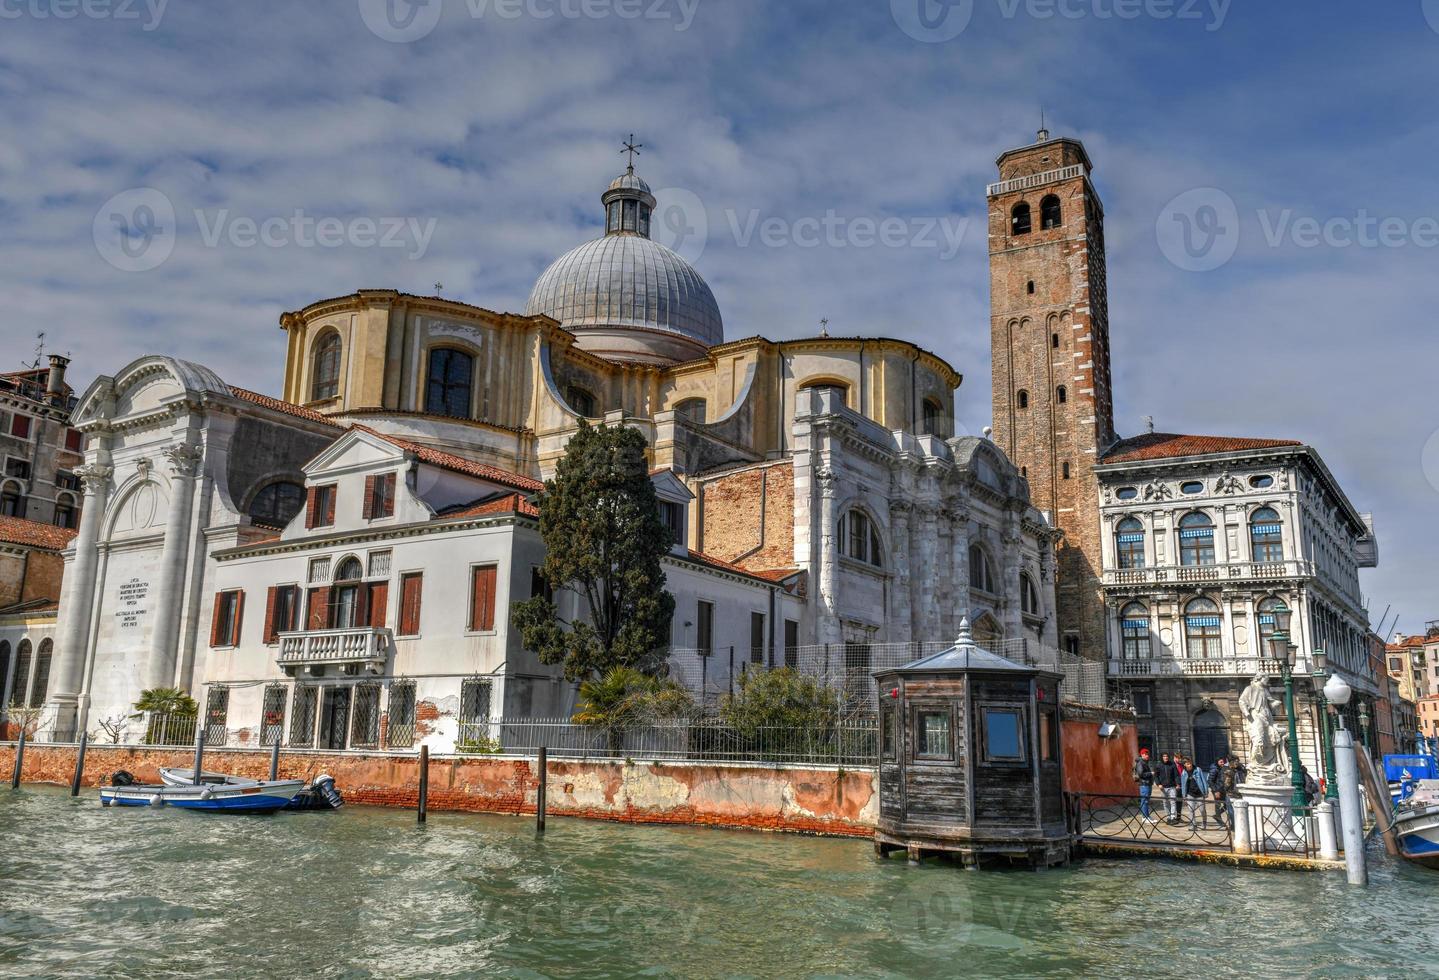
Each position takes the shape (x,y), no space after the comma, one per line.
(55,386)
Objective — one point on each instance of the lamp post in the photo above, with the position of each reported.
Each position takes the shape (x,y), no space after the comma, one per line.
(1364,726)
(1326,733)
(1288,655)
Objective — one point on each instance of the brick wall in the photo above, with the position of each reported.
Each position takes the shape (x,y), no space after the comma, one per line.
(805,800)
(748,517)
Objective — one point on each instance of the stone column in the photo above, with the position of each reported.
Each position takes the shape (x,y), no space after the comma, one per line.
(926,619)
(959,558)
(829,629)
(184,462)
(79,591)
(1013,563)
(900,614)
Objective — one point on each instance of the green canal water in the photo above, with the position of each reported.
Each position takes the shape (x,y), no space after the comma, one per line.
(366,892)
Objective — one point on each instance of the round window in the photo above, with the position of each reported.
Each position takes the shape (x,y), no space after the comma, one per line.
(1127,493)
(1261,482)
(1191,488)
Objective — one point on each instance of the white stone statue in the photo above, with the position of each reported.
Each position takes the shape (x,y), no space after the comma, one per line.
(1268,763)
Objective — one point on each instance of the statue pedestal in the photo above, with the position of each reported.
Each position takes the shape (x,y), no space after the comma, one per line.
(1272,823)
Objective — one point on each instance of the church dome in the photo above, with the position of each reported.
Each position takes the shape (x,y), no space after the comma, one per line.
(626,296)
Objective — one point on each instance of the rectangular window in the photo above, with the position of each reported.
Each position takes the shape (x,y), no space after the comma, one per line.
(1143,698)
(20,426)
(888,731)
(225,623)
(272,715)
(673,515)
(400,719)
(365,717)
(705,627)
(282,614)
(474,713)
(412,586)
(1003,730)
(65,480)
(74,441)
(482,598)
(18,468)
(320,506)
(302,715)
(756,638)
(791,643)
(217,715)
(1048,736)
(931,735)
(379,496)
(539,585)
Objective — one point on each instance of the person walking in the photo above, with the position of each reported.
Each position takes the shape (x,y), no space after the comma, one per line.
(1144,776)
(1168,778)
(1194,788)
(1221,787)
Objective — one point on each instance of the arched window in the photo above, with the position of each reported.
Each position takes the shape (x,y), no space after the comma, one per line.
(345,610)
(933,412)
(66,513)
(275,505)
(1029,287)
(1266,535)
(1196,539)
(21,686)
(1028,597)
(1054,341)
(693,409)
(1061,395)
(12,501)
(447,391)
(1134,628)
(41,685)
(1050,214)
(4,665)
(859,538)
(581,401)
(1129,543)
(1022,398)
(325,373)
(1264,613)
(981,575)
(1202,624)
(1020,222)
(837,385)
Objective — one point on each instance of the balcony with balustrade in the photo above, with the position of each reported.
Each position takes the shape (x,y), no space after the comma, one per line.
(1234,571)
(312,652)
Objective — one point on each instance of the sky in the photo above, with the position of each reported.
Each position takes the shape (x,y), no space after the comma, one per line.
(175,174)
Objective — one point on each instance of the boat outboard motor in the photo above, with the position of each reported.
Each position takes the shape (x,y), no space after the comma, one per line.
(122,778)
(323,788)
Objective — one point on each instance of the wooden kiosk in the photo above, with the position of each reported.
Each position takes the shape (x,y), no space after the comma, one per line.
(970,761)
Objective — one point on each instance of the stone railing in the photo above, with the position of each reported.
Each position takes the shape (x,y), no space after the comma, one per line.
(317,647)
(1176,667)
(1224,572)
(1034,180)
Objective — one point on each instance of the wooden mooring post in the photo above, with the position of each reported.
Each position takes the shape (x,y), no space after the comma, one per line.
(19,760)
(544,768)
(79,764)
(275,760)
(424,783)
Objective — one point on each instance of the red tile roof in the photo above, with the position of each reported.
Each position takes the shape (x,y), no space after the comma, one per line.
(288,408)
(1167,445)
(775,574)
(510,503)
(16,530)
(457,464)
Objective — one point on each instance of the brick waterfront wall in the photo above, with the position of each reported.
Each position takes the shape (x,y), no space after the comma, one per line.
(804,800)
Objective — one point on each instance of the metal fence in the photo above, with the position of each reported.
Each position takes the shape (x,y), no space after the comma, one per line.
(1199,824)
(847,668)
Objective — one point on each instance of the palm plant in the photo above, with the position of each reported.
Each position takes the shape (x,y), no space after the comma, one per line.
(624,699)
(163,704)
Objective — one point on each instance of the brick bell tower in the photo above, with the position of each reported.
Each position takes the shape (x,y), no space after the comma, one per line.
(1049,336)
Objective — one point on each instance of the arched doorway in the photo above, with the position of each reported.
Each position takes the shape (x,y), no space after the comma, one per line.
(1211,737)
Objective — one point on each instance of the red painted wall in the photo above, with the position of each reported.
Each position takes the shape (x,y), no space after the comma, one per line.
(1096,765)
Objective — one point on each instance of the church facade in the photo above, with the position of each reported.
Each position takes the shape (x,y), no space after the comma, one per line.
(334,568)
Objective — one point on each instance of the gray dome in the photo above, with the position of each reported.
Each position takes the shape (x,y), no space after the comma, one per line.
(625,281)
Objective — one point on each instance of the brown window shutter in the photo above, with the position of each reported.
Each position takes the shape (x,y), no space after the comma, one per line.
(483,607)
(330,505)
(411,586)
(389,509)
(319,611)
(268,636)
(239,617)
(310,514)
(215,620)
(379,599)
(369,510)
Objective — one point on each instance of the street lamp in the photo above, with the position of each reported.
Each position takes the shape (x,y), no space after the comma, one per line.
(1364,725)
(1326,730)
(1288,655)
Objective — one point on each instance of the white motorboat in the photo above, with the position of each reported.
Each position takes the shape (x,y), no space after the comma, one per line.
(1416,824)
(255,796)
